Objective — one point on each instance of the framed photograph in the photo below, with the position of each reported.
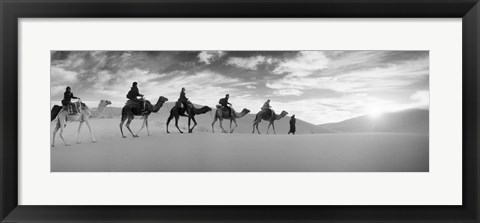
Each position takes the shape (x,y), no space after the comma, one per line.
(229,111)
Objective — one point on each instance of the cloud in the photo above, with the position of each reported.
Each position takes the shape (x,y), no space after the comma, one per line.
(303,64)
(208,57)
(249,62)
(60,79)
(60,75)
(284,92)
(317,86)
(115,85)
(392,77)
(421,98)
(205,87)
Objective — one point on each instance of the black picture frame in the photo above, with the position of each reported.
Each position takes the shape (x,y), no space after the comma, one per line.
(12,10)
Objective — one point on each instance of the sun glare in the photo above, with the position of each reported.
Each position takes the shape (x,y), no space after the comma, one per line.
(375,113)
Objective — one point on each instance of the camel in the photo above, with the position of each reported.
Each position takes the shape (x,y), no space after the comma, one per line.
(224,114)
(191,111)
(129,112)
(62,117)
(267,116)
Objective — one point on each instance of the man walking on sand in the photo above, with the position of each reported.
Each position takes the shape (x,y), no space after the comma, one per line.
(292,125)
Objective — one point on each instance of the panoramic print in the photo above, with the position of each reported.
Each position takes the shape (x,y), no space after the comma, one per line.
(239,111)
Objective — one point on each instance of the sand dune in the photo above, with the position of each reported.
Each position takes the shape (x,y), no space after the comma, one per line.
(238,152)
(406,121)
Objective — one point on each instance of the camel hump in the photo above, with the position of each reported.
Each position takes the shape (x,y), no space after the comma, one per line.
(224,109)
(267,113)
(221,107)
(133,103)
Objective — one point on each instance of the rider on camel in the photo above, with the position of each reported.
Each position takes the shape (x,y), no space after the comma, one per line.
(182,100)
(224,102)
(266,107)
(133,95)
(67,101)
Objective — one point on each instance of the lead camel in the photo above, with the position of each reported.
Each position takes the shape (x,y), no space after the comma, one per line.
(271,117)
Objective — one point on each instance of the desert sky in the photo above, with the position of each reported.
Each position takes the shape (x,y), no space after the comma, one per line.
(316,86)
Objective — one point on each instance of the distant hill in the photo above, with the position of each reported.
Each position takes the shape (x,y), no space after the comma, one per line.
(406,121)
(245,124)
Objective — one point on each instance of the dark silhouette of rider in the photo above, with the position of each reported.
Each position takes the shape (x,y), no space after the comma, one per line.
(67,100)
(183,99)
(266,107)
(224,102)
(133,95)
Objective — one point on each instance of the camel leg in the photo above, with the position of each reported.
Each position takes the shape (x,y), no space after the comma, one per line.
(62,126)
(168,121)
(146,125)
(176,123)
(230,125)
(213,123)
(189,121)
(57,126)
(268,128)
(128,126)
(90,128)
(273,126)
(253,127)
(78,131)
(121,127)
(194,124)
(221,126)
(143,124)
(236,125)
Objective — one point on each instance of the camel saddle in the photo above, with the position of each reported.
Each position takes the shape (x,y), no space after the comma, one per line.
(225,109)
(136,104)
(179,104)
(73,108)
(269,112)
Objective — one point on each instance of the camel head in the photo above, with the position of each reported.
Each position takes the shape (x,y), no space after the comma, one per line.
(243,113)
(283,114)
(246,111)
(159,104)
(101,107)
(104,103)
(162,99)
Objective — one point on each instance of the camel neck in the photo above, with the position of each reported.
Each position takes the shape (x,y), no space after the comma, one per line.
(99,110)
(158,105)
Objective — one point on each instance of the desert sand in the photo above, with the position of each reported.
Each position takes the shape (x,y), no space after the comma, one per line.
(239,152)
